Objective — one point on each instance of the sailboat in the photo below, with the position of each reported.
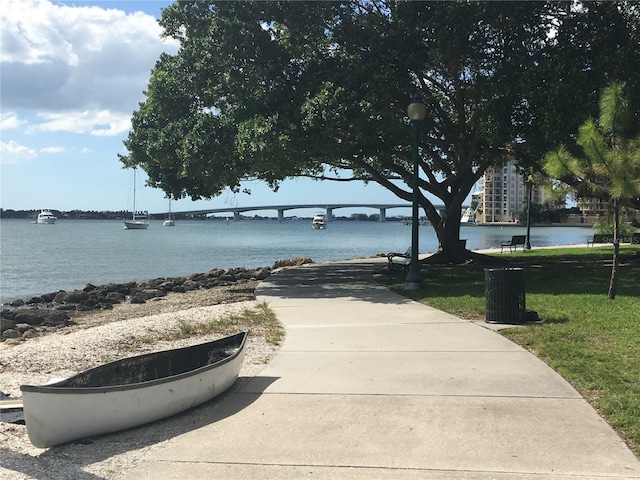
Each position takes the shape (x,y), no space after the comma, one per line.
(139,220)
(169,222)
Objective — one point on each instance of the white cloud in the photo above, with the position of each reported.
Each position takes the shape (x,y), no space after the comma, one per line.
(13,152)
(53,149)
(92,122)
(10,120)
(59,57)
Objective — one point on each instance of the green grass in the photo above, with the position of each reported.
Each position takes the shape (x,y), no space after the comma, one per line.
(592,341)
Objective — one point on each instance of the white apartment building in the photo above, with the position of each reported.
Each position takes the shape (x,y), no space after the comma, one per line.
(503,194)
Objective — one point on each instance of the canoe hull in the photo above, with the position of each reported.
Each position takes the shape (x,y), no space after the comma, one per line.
(58,413)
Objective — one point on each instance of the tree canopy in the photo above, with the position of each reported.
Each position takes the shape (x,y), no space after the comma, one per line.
(272,90)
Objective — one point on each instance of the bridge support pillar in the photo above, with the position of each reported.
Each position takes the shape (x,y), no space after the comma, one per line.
(383,215)
(236,216)
(329,215)
(280,215)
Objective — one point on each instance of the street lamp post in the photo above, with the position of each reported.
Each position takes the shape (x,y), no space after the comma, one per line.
(416,112)
(530,188)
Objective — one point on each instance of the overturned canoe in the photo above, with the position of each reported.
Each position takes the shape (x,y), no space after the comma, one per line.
(131,392)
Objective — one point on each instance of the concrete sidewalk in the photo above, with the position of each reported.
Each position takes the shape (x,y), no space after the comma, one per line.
(370,385)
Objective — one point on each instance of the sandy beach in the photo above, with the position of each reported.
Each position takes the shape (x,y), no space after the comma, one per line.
(106,335)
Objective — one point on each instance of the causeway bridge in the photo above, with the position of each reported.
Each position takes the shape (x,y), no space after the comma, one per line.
(328,208)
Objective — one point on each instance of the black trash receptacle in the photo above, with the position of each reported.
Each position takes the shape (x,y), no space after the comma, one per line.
(504,295)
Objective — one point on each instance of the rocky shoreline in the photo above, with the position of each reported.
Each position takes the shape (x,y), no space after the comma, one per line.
(21,320)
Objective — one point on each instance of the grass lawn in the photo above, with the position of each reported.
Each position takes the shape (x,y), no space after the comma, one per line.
(592,341)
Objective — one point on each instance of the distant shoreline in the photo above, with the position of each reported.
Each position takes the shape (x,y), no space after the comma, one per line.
(390,219)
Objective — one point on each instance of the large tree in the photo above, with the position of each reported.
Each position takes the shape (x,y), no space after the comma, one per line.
(272,90)
(609,166)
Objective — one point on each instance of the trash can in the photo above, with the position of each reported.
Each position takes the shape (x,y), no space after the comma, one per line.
(504,295)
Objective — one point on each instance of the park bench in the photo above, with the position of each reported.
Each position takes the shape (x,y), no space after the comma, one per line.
(599,238)
(399,260)
(513,243)
(634,238)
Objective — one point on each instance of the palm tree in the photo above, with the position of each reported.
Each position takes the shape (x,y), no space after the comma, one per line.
(610,165)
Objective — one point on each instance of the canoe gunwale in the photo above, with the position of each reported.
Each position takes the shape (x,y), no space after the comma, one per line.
(57,388)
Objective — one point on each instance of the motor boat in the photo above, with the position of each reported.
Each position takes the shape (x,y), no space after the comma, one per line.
(46,217)
(319,221)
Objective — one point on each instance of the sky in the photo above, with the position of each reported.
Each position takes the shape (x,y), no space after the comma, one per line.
(71,75)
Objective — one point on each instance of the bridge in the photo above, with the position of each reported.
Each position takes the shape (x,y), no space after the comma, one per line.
(329,208)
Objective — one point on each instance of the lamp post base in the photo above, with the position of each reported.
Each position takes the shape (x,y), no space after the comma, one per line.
(413,284)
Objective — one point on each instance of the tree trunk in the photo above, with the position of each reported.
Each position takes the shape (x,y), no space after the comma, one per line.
(451,248)
(613,284)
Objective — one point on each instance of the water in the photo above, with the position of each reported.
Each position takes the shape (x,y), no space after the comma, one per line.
(36,259)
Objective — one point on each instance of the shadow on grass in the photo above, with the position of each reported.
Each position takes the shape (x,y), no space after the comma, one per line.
(555,275)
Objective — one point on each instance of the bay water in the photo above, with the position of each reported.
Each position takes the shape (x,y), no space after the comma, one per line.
(37,259)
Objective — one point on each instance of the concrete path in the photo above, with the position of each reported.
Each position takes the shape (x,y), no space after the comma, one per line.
(370,385)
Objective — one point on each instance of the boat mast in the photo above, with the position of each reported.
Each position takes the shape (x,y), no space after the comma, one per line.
(134,194)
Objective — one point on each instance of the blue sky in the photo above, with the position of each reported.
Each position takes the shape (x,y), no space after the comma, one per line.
(71,75)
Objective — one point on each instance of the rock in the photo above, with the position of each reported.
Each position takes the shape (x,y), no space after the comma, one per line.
(156,282)
(6,324)
(60,298)
(31,333)
(48,297)
(32,316)
(75,296)
(11,333)
(89,287)
(35,316)
(190,285)
(59,320)
(18,302)
(292,262)
(150,293)
(90,302)
(23,327)
(261,273)
(216,272)
(115,297)
(166,286)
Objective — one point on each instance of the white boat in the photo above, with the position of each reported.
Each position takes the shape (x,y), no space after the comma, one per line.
(169,221)
(139,220)
(131,392)
(319,221)
(46,217)
(468,217)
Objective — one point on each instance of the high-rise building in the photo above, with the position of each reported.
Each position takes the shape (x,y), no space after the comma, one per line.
(593,208)
(503,194)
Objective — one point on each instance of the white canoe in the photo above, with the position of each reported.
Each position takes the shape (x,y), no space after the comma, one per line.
(131,392)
